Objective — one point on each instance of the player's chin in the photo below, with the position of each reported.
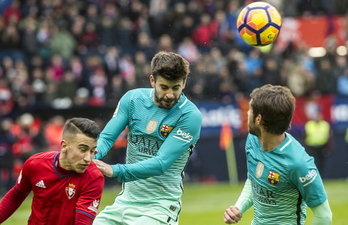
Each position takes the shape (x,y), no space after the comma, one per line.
(168,105)
(81,169)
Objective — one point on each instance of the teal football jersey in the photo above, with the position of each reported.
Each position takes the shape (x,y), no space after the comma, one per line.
(160,142)
(284,181)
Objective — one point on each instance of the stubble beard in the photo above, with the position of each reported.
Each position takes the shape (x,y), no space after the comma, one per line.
(254,130)
(163,105)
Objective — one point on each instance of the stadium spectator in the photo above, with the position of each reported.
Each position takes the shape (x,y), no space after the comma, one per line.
(317,140)
(62,42)
(326,82)
(127,71)
(90,36)
(10,38)
(157,16)
(66,91)
(165,43)
(92,13)
(25,131)
(7,139)
(146,45)
(271,72)
(142,69)
(53,132)
(296,78)
(12,14)
(38,86)
(204,34)
(106,34)
(98,81)
(126,36)
(29,42)
(6,98)
(342,83)
(76,67)
(188,50)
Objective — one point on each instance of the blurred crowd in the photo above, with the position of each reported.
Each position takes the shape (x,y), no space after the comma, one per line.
(62,54)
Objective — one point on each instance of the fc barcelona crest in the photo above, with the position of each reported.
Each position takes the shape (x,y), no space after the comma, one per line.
(273,178)
(70,191)
(165,130)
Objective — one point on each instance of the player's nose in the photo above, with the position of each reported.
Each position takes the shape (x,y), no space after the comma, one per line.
(170,94)
(88,156)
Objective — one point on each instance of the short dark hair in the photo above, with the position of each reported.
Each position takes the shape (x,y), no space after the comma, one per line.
(276,105)
(85,126)
(169,65)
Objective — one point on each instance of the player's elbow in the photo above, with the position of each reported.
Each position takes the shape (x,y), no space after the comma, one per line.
(323,219)
(330,217)
(326,218)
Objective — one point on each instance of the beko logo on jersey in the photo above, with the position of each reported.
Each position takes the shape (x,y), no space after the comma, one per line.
(183,136)
(309,178)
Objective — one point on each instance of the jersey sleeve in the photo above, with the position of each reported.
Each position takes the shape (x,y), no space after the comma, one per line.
(113,128)
(89,200)
(245,200)
(14,198)
(306,178)
(182,137)
(23,183)
(10,203)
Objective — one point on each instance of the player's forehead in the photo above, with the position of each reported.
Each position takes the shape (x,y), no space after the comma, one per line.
(250,102)
(82,140)
(168,83)
(250,105)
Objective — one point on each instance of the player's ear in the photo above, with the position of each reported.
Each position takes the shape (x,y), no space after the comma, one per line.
(152,81)
(258,119)
(64,145)
(184,83)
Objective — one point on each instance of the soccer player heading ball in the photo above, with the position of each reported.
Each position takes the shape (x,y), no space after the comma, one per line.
(163,128)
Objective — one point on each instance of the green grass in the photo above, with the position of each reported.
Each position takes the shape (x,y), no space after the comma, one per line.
(204,204)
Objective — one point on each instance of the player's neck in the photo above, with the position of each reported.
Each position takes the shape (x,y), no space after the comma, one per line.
(270,141)
(62,163)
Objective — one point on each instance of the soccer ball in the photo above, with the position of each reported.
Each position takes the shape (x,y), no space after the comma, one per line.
(259,24)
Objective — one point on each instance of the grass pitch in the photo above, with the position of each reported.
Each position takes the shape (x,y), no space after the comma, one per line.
(204,204)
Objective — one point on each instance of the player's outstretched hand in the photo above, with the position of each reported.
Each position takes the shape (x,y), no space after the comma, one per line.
(105,168)
(232,215)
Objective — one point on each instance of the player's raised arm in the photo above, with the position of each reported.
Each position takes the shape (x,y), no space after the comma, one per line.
(163,127)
